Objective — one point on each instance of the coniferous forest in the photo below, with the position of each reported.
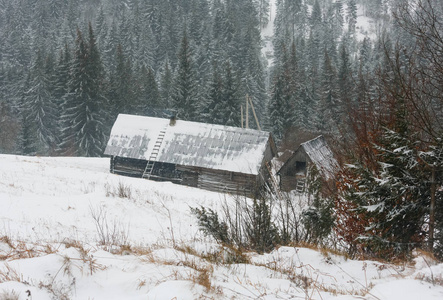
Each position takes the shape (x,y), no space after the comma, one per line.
(68,68)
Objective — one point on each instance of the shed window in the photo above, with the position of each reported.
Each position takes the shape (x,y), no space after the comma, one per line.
(300,167)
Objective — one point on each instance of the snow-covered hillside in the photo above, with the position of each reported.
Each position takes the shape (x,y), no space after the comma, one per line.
(66,233)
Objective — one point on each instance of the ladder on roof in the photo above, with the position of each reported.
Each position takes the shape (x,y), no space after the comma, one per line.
(153,158)
(301,184)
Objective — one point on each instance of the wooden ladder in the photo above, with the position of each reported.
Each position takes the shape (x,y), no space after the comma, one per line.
(300,187)
(155,151)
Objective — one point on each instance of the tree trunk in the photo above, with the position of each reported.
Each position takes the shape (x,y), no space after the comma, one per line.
(432,211)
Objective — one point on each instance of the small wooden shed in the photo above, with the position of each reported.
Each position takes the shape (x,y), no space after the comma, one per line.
(294,171)
(212,157)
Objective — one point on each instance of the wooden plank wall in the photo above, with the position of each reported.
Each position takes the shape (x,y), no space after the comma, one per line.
(288,183)
(221,181)
(207,179)
(128,166)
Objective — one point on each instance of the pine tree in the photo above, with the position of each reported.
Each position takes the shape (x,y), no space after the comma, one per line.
(166,86)
(39,107)
(83,119)
(282,111)
(184,99)
(9,128)
(329,102)
(263,8)
(345,84)
(211,112)
(61,86)
(121,91)
(101,28)
(278,108)
(316,15)
(318,217)
(260,229)
(149,97)
(230,105)
(352,16)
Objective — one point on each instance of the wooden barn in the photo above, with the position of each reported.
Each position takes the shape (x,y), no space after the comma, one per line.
(212,157)
(294,171)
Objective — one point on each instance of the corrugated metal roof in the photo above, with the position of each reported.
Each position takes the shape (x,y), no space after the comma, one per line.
(321,155)
(189,143)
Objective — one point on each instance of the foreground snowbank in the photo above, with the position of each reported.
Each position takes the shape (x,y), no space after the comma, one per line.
(71,230)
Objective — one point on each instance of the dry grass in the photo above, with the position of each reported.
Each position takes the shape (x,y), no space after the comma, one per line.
(325,251)
(9,295)
(21,249)
(10,274)
(121,191)
(191,266)
(58,290)
(88,259)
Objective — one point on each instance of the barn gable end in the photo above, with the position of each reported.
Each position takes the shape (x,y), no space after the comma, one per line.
(314,152)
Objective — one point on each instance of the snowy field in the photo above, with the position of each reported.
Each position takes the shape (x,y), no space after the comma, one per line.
(66,233)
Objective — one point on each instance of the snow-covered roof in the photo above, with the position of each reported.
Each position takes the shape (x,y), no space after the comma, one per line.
(189,143)
(321,155)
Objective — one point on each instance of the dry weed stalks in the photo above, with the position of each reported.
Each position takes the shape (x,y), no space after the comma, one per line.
(121,191)
(9,274)
(110,233)
(9,295)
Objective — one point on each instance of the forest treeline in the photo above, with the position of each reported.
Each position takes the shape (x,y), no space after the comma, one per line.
(199,58)
(67,68)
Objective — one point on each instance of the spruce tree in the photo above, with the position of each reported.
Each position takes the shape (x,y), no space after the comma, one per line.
(345,84)
(184,99)
(121,92)
(39,107)
(230,106)
(149,95)
(83,120)
(329,102)
(211,112)
(166,86)
(263,8)
(352,16)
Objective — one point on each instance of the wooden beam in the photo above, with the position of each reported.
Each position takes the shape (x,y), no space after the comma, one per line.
(247,111)
(241,112)
(255,116)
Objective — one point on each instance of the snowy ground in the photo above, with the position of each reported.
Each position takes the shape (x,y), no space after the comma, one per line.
(52,211)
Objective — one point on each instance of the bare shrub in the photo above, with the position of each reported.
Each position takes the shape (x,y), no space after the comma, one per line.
(122,190)
(89,188)
(110,233)
(59,290)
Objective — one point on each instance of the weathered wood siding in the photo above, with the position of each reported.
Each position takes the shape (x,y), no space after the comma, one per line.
(207,179)
(269,154)
(290,171)
(127,166)
(219,180)
(288,183)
